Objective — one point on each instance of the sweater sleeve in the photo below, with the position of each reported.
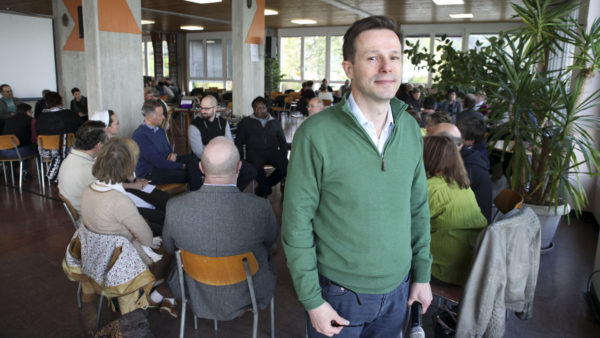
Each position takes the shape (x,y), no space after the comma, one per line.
(127,214)
(195,139)
(151,154)
(299,207)
(420,226)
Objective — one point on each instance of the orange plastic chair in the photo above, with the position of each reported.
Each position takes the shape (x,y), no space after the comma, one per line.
(8,142)
(219,271)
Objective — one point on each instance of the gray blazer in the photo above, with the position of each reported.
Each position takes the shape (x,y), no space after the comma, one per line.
(221,221)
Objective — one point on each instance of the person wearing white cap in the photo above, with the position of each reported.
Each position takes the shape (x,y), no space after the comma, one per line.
(110,119)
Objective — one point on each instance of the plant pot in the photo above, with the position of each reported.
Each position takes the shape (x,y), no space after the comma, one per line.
(549,219)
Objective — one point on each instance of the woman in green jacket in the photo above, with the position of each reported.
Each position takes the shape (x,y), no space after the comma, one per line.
(456,219)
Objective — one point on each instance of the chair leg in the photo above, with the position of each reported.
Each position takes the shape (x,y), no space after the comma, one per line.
(41,172)
(79,295)
(195,322)
(183,298)
(216,325)
(21,176)
(99,313)
(6,179)
(273,317)
(12,174)
(252,297)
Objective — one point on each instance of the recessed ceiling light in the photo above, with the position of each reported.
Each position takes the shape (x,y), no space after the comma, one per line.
(210,41)
(462,16)
(204,1)
(147,22)
(192,28)
(271,12)
(304,21)
(448,2)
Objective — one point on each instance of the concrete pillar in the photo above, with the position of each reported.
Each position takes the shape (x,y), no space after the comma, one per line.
(248,38)
(69,49)
(113,63)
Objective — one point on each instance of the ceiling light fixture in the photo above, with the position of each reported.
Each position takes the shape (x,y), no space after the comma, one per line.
(204,1)
(462,16)
(147,22)
(448,2)
(192,28)
(210,41)
(303,21)
(271,12)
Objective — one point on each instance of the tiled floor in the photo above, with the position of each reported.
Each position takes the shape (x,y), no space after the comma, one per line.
(37,300)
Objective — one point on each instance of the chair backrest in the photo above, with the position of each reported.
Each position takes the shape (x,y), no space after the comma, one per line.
(70,140)
(218,271)
(8,142)
(70,207)
(508,200)
(326,103)
(229,105)
(49,142)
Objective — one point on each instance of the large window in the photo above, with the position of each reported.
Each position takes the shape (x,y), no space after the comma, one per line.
(314,57)
(415,74)
(336,72)
(210,62)
(148,58)
(456,41)
(291,66)
(482,38)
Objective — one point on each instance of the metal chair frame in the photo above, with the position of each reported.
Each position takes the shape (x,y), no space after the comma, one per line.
(5,142)
(249,280)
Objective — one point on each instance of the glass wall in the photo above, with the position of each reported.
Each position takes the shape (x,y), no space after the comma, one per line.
(210,62)
(196,59)
(336,72)
(482,38)
(415,74)
(291,58)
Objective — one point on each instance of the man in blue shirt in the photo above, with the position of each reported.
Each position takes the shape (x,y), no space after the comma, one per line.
(158,162)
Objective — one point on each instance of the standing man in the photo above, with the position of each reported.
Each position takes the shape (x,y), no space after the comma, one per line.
(206,127)
(8,103)
(79,103)
(355,217)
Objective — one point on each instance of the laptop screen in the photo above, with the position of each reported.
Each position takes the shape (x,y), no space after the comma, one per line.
(185,103)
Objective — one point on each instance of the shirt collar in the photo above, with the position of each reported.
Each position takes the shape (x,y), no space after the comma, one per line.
(362,120)
(154,129)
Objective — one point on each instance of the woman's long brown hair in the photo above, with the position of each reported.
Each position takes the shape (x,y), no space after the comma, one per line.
(441,157)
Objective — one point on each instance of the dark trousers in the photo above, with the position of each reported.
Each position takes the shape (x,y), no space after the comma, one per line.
(370,315)
(277,159)
(190,174)
(247,174)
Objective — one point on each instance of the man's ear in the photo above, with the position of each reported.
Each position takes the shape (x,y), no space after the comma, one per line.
(201,168)
(239,166)
(348,69)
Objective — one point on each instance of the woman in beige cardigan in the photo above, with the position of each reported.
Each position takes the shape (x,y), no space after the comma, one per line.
(107,210)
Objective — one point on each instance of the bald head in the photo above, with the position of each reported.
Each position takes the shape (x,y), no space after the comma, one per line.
(447,129)
(220,161)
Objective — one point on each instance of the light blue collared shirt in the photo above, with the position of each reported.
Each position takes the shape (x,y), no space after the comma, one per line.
(369,127)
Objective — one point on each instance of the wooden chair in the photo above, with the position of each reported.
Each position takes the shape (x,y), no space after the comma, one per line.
(219,271)
(173,188)
(286,107)
(326,103)
(8,142)
(46,142)
(275,94)
(506,201)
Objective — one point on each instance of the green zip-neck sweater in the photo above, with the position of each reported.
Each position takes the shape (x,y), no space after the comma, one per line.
(358,217)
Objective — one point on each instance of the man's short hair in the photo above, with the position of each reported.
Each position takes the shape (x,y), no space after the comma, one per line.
(372,22)
(429,102)
(53,99)
(470,101)
(149,107)
(450,91)
(457,140)
(110,114)
(23,108)
(75,89)
(115,162)
(89,134)
(472,128)
(2,86)
(309,84)
(153,91)
(439,117)
(45,91)
(259,99)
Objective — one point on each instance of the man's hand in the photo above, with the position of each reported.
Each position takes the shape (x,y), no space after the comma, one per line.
(420,292)
(321,318)
(172,157)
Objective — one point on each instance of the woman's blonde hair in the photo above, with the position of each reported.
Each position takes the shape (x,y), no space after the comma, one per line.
(116,160)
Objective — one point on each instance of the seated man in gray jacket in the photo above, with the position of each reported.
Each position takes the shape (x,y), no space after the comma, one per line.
(218,220)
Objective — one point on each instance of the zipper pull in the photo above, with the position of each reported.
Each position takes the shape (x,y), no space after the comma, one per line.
(382,163)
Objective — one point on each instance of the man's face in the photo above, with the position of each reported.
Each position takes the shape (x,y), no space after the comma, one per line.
(314,106)
(148,97)
(157,118)
(260,110)
(7,92)
(208,109)
(376,69)
(77,95)
(416,95)
(452,97)
(113,129)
